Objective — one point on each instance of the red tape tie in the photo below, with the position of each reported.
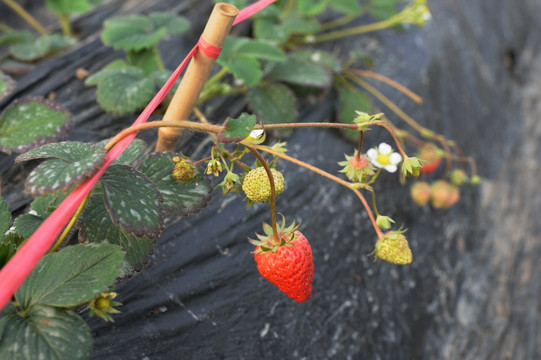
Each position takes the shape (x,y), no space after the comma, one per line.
(208,49)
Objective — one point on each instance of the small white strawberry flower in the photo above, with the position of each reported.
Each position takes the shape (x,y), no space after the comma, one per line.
(384,157)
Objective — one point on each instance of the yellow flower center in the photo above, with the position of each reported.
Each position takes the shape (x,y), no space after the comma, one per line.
(384,159)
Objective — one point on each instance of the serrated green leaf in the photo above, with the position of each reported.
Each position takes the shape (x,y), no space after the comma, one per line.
(260,49)
(349,101)
(71,276)
(174,24)
(235,130)
(30,122)
(273,103)
(244,66)
(7,250)
(160,77)
(16,36)
(312,7)
(71,163)
(299,71)
(133,201)
(131,33)
(296,23)
(95,226)
(124,90)
(33,50)
(320,57)
(26,224)
(145,60)
(135,149)
(68,6)
(7,84)
(178,198)
(105,72)
(348,7)
(44,332)
(5,217)
(271,29)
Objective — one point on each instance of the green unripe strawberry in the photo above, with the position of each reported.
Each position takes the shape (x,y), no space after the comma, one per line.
(458,177)
(256,184)
(184,170)
(393,247)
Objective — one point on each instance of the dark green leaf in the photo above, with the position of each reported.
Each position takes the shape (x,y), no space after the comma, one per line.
(133,201)
(71,276)
(348,7)
(7,250)
(124,90)
(235,130)
(273,103)
(30,122)
(105,72)
(349,101)
(7,85)
(134,150)
(312,7)
(243,63)
(95,226)
(131,33)
(44,332)
(320,57)
(26,224)
(299,71)
(160,77)
(260,49)
(33,50)
(16,36)
(178,198)
(383,9)
(296,23)
(271,29)
(5,217)
(68,6)
(145,59)
(246,69)
(71,163)
(174,24)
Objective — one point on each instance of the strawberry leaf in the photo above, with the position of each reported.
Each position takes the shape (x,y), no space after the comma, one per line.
(68,6)
(311,7)
(16,36)
(274,103)
(26,224)
(7,85)
(349,101)
(96,226)
(5,217)
(70,163)
(46,332)
(178,198)
(134,150)
(173,24)
(235,130)
(299,71)
(146,60)
(33,50)
(349,7)
(71,276)
(132,33)
(122,90)
(30,122)
(133,201)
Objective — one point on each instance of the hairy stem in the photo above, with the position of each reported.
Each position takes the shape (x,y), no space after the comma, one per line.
(390,82)
(362,29)
(26,16)
(328,176)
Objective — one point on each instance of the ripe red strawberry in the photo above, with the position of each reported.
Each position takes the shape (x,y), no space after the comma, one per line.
(287,264)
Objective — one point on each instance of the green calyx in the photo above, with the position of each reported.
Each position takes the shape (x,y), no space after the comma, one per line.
(357,168)
(285,236)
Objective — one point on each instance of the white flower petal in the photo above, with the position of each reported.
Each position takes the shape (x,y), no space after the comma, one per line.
(255,134)
(395,158)
(384,148)
(372,154)
(391,168)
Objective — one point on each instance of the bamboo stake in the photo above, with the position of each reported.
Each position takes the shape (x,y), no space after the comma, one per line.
(216,30)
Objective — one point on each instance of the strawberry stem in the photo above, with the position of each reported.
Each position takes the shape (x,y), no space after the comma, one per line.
(273,191)
(329,176)
(360,146)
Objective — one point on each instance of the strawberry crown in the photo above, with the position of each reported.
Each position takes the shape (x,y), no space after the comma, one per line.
(285,236)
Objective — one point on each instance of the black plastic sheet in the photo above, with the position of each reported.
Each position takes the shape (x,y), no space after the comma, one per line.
(472,291)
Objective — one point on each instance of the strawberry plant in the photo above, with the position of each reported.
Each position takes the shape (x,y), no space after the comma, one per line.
(112,198)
